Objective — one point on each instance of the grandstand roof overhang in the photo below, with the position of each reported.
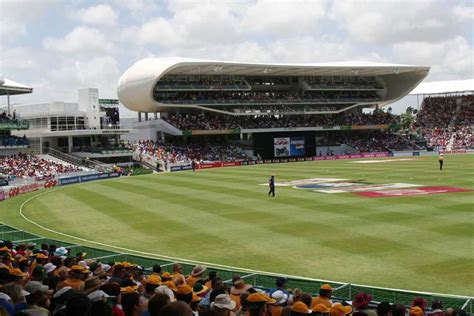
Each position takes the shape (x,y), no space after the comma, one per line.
(135,87)
(444,87)
(10,87)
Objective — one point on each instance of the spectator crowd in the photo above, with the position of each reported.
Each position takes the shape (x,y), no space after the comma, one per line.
(26,165)
(173,153)
(50,280)
(445,121)
(203,121)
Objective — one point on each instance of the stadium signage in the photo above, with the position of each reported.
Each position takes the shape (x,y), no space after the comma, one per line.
(211,132)
(181,168)
(108,101)
(14,125)
(86,178)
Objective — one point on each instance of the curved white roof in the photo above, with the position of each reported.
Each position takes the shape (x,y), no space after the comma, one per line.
(11,87)
(440,87)
(135,87)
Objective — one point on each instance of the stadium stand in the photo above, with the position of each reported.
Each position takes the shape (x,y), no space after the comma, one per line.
(446,121)
(43,276)
(211,121)
(185,153)
(32,166)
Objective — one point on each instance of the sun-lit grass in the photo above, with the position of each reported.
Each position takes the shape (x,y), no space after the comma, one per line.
(224,216)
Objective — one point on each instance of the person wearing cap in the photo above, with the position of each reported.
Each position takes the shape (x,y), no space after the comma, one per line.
(196,274)
(338,309)
(75,279)
(361,304)
(280,295)
(223,305)
(320,310)
(324,297)
(178,277)
(118,274)
(38,273)
(151,283)
(271,185)
(298,296)
(441,160)
(299,309)
(166,276)
(184,293)
(37,299)
(260,304)
(238,287)
(417,311)
(17,276)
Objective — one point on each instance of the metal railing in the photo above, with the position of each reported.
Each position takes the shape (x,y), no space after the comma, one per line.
(88,163)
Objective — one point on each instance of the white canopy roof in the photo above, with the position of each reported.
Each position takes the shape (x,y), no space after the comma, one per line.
(439,87)
(10,87)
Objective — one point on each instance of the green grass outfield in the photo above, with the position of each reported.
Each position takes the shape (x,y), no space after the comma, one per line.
(223,216)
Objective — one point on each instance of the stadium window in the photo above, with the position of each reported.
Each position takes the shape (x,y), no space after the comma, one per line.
(54,124)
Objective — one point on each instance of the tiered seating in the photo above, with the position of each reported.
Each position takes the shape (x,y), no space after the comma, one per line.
(174,153)
(210,121)
(445,119)
(31,166)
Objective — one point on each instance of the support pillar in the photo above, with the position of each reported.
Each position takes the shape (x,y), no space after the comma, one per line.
(139,116)
(146,116)
(156,115)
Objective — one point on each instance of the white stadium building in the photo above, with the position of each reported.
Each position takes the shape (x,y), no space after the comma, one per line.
(148,84)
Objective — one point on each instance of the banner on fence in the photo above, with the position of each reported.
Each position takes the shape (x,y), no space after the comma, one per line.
(89,177)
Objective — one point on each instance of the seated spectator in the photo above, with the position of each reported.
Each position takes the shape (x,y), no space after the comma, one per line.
(361,304)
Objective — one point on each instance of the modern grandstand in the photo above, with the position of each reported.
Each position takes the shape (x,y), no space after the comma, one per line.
(362,213)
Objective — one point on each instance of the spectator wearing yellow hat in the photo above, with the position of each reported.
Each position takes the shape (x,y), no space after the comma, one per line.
(324,297)
(17,276)
(416,311)
(166,276)
(75,279)
(184,293)
(320,310)
(299,309)
(298,296)
(338,309)
(259,304)
(151,283)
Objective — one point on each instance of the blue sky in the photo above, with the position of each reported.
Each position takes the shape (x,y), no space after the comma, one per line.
(60,46)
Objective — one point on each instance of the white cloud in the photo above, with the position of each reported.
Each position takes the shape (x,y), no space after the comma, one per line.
(464,12)
(82,41)
(451,59)
(283,18)
(17,14)
(395,21)
(99,15)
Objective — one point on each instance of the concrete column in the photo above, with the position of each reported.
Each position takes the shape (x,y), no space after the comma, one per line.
(69,144)
(156,115)
(146,116)
(139,116)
